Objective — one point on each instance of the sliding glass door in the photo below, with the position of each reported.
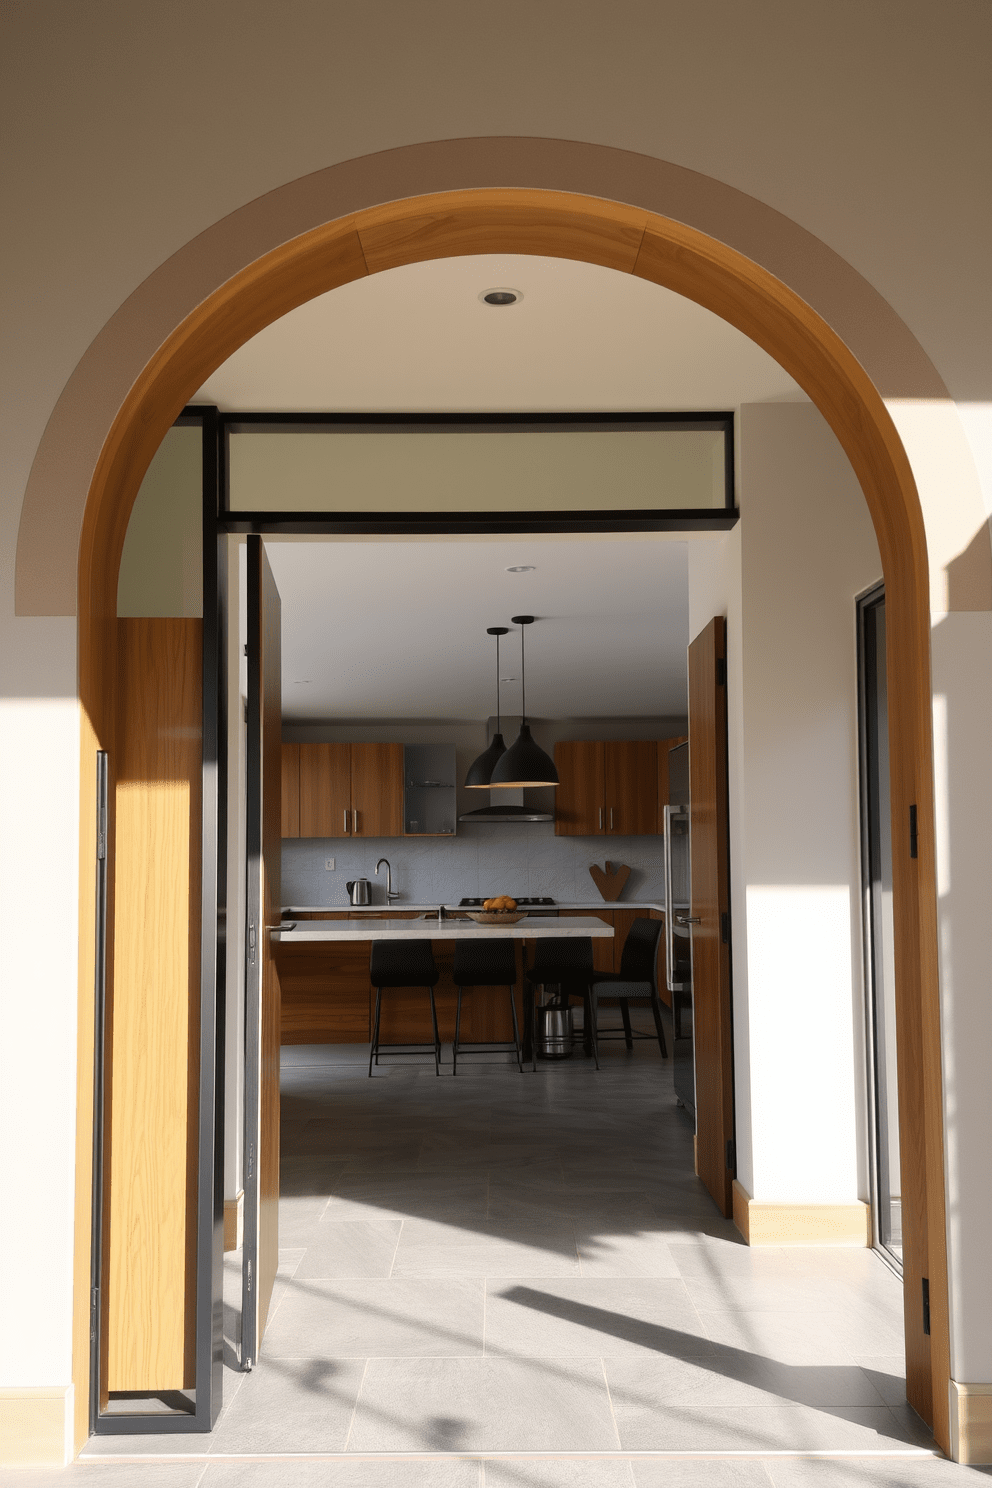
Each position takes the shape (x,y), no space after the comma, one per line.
(886,1203)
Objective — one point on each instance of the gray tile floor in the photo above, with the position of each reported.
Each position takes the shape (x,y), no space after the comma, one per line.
(527,1265)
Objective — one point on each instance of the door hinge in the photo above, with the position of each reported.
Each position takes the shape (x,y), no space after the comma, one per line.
(101,835)
(926,1305)
(731,1156)
(251,1171)
(94,1310)
(913,837)
(248,1277)
(251,945)
(721,672)
(725,927)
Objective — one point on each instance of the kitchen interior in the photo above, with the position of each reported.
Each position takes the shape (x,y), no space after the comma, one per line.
(500,1227)
(387,725)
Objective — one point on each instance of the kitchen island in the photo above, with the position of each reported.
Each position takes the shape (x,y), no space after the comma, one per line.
(429,927)
(323,966)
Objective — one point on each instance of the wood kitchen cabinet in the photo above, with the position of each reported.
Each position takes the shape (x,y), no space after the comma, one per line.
(350,790)
(291,790)
(607,788)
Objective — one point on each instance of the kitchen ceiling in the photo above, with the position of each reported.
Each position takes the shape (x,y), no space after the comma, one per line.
(397,630)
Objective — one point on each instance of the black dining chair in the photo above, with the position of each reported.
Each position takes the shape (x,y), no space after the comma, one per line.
(566,963)
(403,963)
(485,963)
(636,981)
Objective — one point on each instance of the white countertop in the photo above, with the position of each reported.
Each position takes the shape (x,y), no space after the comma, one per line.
(400,906)
(380,928)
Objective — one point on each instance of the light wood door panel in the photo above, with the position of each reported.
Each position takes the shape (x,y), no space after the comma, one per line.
(579,799)
(709,848)
(325,790)
(291,790)
(377,790)
(153,1022)
(262,1010)
(631,798)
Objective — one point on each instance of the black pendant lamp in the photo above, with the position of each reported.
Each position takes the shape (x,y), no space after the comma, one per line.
(480,770)
(524,763)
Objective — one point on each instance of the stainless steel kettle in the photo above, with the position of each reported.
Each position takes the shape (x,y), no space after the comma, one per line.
(360,890)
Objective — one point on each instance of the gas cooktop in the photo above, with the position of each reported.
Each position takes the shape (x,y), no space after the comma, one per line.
(525,903)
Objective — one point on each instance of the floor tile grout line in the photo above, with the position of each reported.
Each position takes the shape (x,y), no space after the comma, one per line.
(609,1398)
(354,1409)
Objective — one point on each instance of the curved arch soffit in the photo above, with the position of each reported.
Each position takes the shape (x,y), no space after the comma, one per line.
(557,173)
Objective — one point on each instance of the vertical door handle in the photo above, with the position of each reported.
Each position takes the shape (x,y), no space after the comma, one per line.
(354,817)
(611,818)
(600,818)
(346,821)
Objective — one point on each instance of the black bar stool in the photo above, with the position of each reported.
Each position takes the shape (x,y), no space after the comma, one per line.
(636,981)
(403,963)
(566,963)
(485,963)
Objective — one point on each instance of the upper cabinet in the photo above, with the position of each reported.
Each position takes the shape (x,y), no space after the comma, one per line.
(291,790)
(607,788)
(344,790)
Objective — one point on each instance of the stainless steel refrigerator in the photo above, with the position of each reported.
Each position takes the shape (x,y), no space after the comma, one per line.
(678,943)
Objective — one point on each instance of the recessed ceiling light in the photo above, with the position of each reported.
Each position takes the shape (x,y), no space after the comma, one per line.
(522,568)
(501,296)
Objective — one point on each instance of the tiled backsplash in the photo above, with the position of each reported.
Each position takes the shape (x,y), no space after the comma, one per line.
(513,858)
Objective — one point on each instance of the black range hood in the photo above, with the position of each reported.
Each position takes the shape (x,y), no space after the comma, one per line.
(519,813)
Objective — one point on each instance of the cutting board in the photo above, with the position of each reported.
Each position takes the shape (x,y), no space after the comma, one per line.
(611,883)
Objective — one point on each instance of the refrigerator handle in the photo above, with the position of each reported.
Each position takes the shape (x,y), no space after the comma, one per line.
(669,906)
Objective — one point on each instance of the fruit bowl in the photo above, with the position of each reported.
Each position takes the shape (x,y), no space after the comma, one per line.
(497,916)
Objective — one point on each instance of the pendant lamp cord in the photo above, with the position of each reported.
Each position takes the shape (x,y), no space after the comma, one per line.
(499,726)
(523,679)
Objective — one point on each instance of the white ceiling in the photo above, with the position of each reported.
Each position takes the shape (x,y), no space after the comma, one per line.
(398,629)
(418,338)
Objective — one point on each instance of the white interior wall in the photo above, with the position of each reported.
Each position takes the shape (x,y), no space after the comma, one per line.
(806,549)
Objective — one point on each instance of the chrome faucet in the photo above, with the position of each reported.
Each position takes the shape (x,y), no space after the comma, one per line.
(390,896)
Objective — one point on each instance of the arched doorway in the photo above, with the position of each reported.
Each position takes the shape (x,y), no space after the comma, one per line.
(683,259)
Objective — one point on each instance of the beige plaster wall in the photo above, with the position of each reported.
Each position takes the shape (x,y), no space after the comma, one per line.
(129,130)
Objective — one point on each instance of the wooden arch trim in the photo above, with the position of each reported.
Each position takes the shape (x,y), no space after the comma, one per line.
(683,259)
